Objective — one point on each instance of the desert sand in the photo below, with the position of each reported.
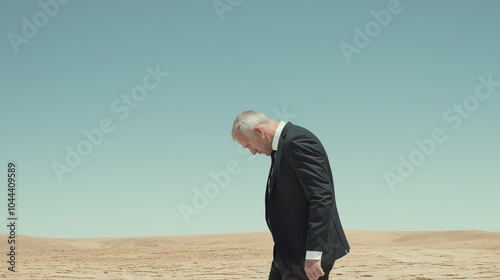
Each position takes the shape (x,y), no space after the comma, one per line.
(374,255)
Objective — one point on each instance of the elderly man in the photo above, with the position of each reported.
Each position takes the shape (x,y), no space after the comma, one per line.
(300,202)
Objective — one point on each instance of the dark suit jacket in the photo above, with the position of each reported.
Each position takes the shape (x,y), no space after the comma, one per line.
(301,212)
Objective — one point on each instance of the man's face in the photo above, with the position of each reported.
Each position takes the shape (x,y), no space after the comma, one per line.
(256,144)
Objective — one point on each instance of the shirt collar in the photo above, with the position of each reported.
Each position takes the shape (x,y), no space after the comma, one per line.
(277,135)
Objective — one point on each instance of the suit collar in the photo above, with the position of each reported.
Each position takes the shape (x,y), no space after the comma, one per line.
(283,133)
(277,135)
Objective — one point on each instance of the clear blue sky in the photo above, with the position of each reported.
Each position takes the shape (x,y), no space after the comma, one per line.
(66,68)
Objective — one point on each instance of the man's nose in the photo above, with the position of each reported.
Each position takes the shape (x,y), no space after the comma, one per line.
(253,151)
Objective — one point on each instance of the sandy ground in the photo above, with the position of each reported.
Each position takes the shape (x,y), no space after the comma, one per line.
(374,255)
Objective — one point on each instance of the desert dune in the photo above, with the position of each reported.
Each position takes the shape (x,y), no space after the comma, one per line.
(374,255)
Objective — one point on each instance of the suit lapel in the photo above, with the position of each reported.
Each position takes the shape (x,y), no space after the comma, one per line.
(277,161)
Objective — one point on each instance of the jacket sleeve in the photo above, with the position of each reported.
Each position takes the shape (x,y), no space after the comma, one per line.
(312,169)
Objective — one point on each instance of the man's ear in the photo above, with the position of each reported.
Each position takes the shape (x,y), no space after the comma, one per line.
(258,131)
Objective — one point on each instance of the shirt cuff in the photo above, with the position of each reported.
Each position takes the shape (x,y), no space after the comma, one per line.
(313,255)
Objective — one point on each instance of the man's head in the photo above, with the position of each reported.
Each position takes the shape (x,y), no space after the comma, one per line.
(255,131)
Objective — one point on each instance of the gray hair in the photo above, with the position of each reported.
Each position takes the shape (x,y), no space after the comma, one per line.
(246,121)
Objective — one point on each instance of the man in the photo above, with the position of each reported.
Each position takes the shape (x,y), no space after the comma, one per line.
(300,202)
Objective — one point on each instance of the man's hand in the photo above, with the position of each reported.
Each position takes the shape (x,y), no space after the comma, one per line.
(313,269)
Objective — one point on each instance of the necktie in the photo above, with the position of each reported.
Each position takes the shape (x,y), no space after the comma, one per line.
(271,170)
(268,189)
